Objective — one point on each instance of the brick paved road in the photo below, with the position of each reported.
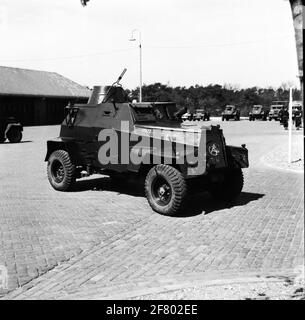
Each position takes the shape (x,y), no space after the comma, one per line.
(104,239)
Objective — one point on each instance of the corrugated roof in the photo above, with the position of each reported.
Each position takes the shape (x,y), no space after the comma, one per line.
(15,81)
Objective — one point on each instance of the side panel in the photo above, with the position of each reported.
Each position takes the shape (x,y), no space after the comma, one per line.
(73,148)
(237,157)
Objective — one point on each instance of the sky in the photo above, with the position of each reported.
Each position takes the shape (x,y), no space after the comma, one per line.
(184,42)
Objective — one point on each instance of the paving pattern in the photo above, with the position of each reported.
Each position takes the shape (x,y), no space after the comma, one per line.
(103,240)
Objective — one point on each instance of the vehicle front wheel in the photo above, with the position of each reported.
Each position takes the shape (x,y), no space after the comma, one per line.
(61,171)
(165,190)
(228,185)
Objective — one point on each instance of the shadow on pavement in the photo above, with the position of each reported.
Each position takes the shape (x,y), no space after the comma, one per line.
(25,141)
(204,203)
(200,203)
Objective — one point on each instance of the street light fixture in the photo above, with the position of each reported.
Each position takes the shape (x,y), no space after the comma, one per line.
(140,49)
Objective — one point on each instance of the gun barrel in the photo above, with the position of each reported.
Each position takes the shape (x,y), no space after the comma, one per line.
(122,74)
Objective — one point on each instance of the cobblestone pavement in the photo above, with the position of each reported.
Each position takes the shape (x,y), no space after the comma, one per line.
(104,241)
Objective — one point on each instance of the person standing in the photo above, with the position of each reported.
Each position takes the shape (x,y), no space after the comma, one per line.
(285,118)
(298,119)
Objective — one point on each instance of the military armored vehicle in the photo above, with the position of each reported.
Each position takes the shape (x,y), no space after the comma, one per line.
(230,112)
(186,116)
(275,108)
(84,147)
(198,115)
(201,115)
(258,112)
(10,129)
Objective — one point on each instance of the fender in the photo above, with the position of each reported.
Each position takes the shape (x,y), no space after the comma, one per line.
(11,126)
(70,146)
(237,156)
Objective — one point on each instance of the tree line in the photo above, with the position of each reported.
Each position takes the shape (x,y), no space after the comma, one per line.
(214,97)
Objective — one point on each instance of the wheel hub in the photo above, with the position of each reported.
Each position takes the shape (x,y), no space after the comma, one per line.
(162,192)
(58,172)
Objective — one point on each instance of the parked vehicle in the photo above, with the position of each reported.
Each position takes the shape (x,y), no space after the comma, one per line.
(230,112)
(258,112)
(81,148)
(198,115)
(186,116)
(275,108)
(10,129)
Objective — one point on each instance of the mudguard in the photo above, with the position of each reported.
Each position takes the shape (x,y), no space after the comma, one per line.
(11,126)
(237,157)
(70,146)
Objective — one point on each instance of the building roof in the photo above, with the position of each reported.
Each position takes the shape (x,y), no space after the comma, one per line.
(25,82)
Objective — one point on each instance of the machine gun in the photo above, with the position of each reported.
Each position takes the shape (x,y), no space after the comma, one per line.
(110,92)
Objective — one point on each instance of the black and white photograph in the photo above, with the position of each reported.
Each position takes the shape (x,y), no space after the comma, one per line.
(151,151)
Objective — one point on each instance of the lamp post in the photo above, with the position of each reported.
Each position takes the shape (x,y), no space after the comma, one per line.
(140,49)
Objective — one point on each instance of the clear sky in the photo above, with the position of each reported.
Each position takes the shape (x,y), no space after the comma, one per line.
(185,42)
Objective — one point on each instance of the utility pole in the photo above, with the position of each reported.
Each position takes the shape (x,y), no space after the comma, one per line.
(297,15)
(140,55)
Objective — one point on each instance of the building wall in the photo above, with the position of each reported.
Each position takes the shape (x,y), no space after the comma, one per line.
(31,111)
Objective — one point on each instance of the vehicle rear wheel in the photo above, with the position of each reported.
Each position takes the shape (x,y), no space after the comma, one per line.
(2,139)
(229,186)
(165,190)
(61,171)
(14,135)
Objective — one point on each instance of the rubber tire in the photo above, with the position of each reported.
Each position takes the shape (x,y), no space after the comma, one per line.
(231,186)
(178,187)
(2,139)
(69,169)
(14,135)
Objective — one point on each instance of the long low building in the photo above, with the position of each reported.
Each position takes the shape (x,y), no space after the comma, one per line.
(37,97)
